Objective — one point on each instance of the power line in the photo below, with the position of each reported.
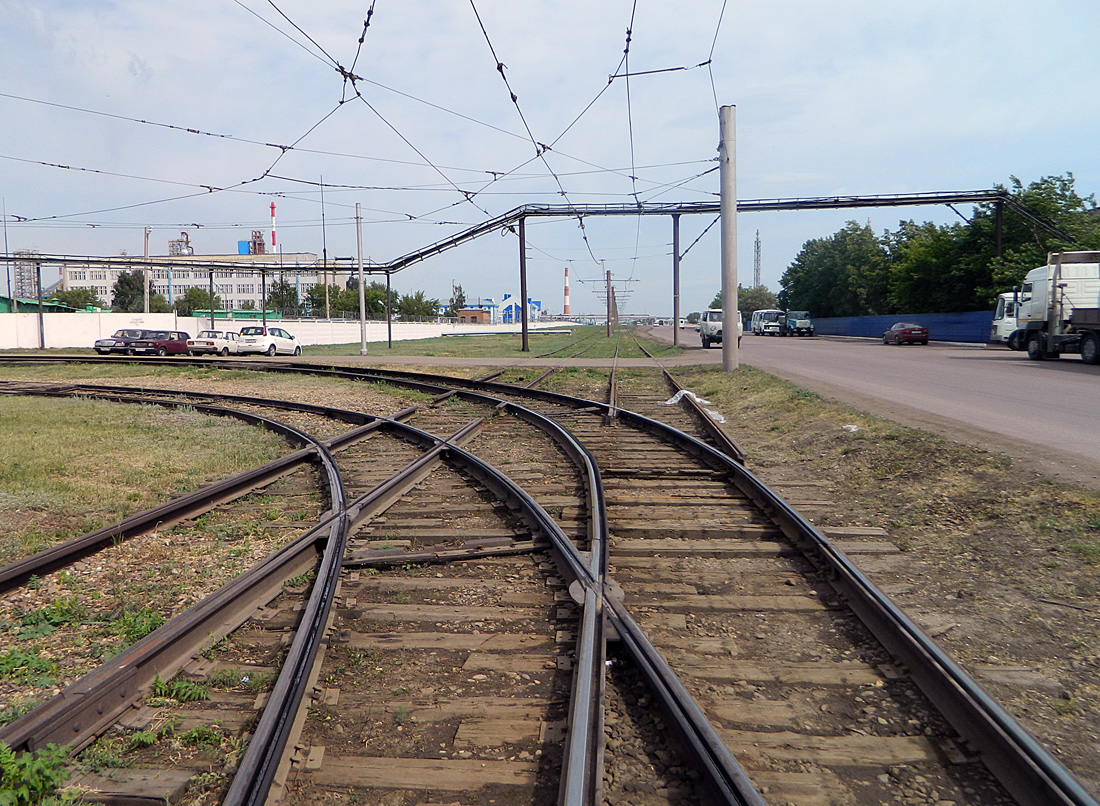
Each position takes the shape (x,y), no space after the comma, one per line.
(540,148)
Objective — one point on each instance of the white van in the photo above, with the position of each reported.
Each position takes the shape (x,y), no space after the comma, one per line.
(766,322)
(710,327)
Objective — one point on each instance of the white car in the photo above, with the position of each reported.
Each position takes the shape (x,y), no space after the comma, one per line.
(267,340)
(219,342)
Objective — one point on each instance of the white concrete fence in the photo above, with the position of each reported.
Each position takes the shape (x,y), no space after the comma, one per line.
(20,330)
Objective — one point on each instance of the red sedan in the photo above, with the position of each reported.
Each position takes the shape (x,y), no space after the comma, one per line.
(906,333)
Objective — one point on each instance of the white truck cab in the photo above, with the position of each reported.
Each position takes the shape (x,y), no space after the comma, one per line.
(1005,330)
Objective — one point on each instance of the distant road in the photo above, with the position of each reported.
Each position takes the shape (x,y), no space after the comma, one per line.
(1042,412)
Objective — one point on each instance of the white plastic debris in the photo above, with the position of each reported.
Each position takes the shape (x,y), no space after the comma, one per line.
(851,429)
(672,401)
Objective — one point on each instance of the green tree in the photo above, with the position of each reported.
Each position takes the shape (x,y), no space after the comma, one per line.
(316,297)
(845,274)
(248,305)
(128,293)
(282,297)
(457,303)
(79,298)
(757,298)
(196,299)
(375,295)
(158,303)
(416,304)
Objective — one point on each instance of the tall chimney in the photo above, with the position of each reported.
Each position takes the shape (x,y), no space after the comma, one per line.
(565,311)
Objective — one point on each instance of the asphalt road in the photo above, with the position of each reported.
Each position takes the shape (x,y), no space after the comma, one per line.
(1043,413)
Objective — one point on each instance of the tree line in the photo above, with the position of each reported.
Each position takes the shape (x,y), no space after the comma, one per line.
(332,301)
(925,268)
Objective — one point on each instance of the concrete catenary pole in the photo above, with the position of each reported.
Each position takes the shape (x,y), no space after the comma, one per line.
(145,268)
(727,163)
(676,279)
(362,290)
(607,275)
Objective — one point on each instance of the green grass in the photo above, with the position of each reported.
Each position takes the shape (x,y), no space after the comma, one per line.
(509,345)
(74,465)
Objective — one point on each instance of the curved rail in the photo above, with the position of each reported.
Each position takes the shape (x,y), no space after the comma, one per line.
(1020,763)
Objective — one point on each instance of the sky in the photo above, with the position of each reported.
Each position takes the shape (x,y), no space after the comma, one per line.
(193,117)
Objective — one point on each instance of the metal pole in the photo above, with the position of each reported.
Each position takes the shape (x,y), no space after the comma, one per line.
(999,218)
(212,325)
(7,260)
(263,296)
(145,270)
(675,279)
(727,163)
(362,291)
(389,316)
(607,275)
(523,280)
(38,293)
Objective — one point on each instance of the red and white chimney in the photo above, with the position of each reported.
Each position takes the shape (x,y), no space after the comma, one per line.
(272,226)
(565,310)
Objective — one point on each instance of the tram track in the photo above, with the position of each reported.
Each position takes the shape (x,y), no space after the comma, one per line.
(674,568)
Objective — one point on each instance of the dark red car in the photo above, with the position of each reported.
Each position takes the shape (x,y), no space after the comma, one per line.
(906,333)
(161,342)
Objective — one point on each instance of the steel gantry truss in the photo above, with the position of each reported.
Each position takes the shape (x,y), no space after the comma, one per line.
(514,220)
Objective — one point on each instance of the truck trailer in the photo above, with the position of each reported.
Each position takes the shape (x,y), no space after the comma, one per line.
(1058,307)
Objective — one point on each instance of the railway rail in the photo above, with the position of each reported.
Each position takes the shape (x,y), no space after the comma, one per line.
(746,659)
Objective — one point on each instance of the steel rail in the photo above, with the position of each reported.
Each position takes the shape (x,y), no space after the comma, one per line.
(1024,767)
(580,783)
(78,713)
(580,775)
(181,508)
(581,778)
(723,440)
(1019,762)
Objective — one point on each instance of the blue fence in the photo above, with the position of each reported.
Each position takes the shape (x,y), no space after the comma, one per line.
(973,326)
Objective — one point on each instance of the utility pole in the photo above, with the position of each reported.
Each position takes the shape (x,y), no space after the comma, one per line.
(145,268)
(525,346)
(607,275)
(7,255)
(727,163)
(676,279)
(362,291)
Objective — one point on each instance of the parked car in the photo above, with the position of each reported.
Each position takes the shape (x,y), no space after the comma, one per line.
(161,342)
(218,342)
(906,333)
(120,342)
(268,340)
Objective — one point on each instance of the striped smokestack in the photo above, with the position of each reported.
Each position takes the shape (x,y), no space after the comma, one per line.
(565,310)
